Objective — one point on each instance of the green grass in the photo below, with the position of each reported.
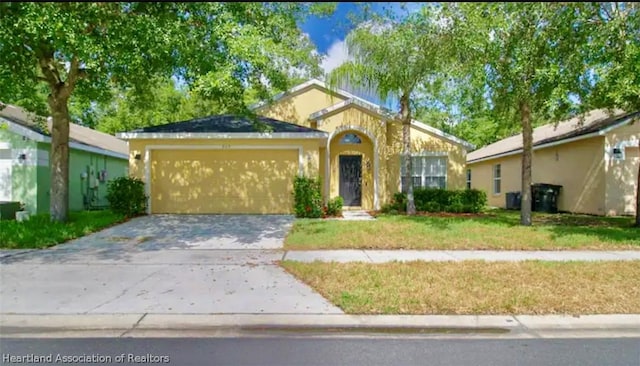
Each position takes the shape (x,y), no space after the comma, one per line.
(495,230)
(40,232)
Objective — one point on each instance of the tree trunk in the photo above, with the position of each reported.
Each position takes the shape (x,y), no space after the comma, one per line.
(59,157)
(527,147)
(638,194)
(405,115)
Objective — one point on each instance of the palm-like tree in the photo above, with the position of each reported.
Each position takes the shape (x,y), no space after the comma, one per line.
(392,58)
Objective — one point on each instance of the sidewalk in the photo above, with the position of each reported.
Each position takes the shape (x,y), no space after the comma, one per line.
(383,256)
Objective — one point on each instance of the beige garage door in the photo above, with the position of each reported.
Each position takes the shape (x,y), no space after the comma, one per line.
(223,181)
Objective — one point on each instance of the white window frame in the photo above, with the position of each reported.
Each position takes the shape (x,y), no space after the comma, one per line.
(424,175)
(468,178)
(497,179)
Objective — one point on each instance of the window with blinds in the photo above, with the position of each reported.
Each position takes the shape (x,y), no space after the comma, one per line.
(427,172)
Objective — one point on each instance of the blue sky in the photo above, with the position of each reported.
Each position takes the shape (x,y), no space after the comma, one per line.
(328,34)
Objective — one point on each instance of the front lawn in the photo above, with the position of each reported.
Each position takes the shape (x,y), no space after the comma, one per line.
(476,287)
(495,230)
(40,232)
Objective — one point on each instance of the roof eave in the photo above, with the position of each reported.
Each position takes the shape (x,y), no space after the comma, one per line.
(554,142)
(220,135)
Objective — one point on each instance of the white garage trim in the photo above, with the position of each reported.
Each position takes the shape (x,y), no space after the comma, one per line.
(148,148)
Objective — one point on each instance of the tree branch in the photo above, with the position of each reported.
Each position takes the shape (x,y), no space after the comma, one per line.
(74,75)
(51,75)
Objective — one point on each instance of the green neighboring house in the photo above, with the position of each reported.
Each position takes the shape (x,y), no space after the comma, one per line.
(25,146)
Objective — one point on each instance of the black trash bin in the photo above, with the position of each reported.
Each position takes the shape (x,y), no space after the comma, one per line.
(544,197)
(514,200)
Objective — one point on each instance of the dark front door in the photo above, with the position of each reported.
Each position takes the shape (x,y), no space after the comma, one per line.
(351,179)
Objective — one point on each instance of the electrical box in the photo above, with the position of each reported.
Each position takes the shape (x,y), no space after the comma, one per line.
(102,176)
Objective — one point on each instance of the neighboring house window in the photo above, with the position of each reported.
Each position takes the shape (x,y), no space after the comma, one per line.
(350,138)
(496,179)
(468,178)
(427,171)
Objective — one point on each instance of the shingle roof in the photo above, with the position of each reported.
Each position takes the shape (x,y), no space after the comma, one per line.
(78,134)
(225,123)
(594,121)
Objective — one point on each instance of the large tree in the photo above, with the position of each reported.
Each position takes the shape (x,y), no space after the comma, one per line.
(520,64)
(613,55)
(81,50)
(386,57)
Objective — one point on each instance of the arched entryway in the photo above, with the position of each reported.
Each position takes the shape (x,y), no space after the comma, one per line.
(352,168)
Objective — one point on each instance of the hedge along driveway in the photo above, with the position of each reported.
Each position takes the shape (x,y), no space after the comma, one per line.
(499,230)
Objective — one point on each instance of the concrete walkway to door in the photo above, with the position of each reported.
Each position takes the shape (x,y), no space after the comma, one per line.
(164,264)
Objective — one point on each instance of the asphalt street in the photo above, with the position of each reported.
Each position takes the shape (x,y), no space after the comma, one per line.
(323,351)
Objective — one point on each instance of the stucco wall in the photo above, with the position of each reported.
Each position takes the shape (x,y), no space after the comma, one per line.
(622,175)
(388,144)
(381,148)
(310,149)
(371,130)
(298,107)
(577,166)
(310,156)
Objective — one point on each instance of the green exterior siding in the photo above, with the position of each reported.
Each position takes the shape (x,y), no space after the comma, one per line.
(31,180)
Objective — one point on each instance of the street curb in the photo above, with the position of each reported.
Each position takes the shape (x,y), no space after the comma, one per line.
(128,322)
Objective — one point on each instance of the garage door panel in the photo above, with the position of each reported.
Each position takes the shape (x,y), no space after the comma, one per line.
(223,181)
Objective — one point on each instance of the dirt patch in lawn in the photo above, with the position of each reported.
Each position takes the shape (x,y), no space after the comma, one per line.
(476,287)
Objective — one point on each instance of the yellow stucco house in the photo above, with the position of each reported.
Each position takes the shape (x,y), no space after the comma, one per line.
(221,164)
(596,163)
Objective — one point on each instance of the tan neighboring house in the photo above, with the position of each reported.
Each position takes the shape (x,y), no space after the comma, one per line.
(596,164)
(222,164)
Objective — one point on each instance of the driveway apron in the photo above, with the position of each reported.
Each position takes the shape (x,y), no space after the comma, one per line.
(207,264)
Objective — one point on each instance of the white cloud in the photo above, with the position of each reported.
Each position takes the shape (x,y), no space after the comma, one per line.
(336,56)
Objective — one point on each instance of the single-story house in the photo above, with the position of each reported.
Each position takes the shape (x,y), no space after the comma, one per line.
(595,162)
(25,174)
(222,164)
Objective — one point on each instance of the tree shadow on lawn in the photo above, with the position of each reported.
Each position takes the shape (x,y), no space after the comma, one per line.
(603,229)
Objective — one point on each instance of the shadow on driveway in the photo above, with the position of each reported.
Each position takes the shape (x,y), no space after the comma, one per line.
(156,233)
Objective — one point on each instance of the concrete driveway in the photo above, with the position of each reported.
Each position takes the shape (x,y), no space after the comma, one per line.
(208,264)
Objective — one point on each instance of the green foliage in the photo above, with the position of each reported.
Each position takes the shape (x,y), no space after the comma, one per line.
(613,53)
(398,203)
(307,197)
(40,232)
(391,57)
(441,200)
(126,196)
(334,206)
(79,51)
